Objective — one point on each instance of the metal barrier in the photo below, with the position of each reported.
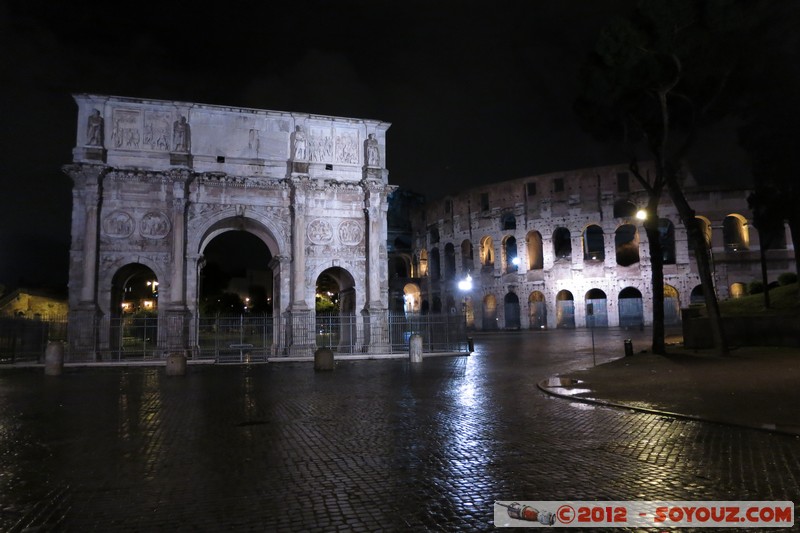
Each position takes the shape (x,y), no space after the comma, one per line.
(231,339)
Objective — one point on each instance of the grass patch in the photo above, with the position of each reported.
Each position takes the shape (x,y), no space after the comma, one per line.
(783,301)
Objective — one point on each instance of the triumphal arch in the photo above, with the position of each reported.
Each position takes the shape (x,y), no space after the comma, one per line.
(155,181)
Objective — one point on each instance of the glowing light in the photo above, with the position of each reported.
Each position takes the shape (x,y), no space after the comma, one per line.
(515,261)
(641,214)
(465,284)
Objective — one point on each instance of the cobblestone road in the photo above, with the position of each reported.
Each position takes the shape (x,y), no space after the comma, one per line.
(374,445)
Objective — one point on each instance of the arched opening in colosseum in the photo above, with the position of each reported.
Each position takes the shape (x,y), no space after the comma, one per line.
(511,261)
(631,309)
(672,306)
(565,309)
(399,267)
(535,251)
(624,209)
(666,236)
(593,243)
(511,309)
(489,312)
(449,261)
(626,241)
(735,233)
(422,271)
(562,244)
(412,299)
(537,310)
(487,253)
(469,312)
(467,260)
(697,296)
(434,235)
(434,265)
(703,229)
(599,315)
(737,290)
(436,308)
(508,222)
(134,311)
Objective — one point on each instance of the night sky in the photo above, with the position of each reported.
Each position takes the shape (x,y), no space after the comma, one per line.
(477,92)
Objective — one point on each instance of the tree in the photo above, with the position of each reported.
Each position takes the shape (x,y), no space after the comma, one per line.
(768,213)
(653,80)
(770,117)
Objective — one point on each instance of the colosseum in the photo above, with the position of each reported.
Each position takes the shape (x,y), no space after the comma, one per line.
(535,252)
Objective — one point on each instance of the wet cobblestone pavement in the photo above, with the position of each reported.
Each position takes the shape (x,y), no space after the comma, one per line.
(374,445)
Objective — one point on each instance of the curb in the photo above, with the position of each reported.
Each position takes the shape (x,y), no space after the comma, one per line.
(549,389)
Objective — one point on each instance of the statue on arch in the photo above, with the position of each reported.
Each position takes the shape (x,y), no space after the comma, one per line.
(94,129)
(181,136)
(299,144)
(373,156)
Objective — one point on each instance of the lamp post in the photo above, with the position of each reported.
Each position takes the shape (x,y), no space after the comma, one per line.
(465,286)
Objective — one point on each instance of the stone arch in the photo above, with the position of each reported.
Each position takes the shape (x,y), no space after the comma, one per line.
(137,330)
(599,310)
(562,243)
(666,235)
(412,299)
(624,209)
(342,325)
(631,308)
(535,250)
(626,242)
(110,270)
(510,258)
(449,261)
(487,252)
(737,290)
(735,233)
(594,247)
(565,309)
(511,309)
(537,310)
(264,230)
(703,229)
(508,222)
(423,263)
(467,260)
(489,312)
(434,264)
(697,295)
(672,305)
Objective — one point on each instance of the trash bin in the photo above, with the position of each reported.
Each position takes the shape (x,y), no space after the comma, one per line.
(628,348)
(415,349)
(323,360)
(54,358)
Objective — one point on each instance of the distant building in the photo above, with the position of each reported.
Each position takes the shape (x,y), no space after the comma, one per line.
(538,250)
(33,303)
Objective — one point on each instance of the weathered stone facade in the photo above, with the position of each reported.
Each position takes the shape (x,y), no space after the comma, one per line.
(539,249)
(156,181)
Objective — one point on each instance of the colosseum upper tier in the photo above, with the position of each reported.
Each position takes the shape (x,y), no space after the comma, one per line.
(568,249)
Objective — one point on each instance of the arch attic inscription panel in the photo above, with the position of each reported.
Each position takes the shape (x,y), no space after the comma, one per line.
(155,181)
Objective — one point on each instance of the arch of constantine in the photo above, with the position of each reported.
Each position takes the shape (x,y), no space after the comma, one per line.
(156,181)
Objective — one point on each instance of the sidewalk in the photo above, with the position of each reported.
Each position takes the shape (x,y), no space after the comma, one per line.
(757,387)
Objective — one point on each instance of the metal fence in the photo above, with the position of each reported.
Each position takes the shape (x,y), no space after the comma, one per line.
(233,339)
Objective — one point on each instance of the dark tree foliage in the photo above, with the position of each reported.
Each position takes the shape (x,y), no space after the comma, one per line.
(654,79)
(768,208)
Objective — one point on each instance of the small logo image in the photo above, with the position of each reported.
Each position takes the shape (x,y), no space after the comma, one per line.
(526,512)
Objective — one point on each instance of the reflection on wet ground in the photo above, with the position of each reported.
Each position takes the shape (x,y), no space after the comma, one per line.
(372,445)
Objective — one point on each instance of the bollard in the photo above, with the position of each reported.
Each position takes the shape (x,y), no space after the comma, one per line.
(628,348)
(53,358)
(470,344)
(323,359)
(415,348)
(176,364)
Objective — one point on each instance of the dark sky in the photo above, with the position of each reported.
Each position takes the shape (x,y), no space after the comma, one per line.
(477,92)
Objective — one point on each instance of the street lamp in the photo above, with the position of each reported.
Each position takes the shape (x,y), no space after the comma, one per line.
(641,214)
(465,286)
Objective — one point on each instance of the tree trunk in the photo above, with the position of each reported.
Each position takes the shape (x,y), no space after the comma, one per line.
(794,227)
(762,238)
(657,265)
(701,255)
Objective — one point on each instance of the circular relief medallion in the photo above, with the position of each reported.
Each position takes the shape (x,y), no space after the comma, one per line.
(154,225)
(118,224)
(320,231)
(349,232)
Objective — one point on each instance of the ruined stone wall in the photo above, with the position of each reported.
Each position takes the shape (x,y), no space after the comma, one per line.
(519,211)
